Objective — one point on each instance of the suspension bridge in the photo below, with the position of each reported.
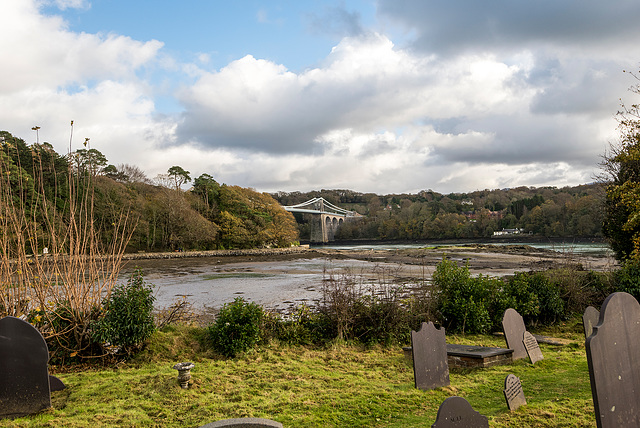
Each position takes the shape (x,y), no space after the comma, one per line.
(326,218)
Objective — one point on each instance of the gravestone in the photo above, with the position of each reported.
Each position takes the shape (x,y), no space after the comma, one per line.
(24,376)
(513,392)
(589,320)
(429,349)
(532,347)
(513,327)
(244,423)
(456,412)
(55,384)
(613,352)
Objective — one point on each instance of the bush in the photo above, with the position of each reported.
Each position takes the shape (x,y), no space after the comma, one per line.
(66,332)
(380,320)
(466,304)
(535,297)
(236,328)
(128,319)
(297,328)
(627,279)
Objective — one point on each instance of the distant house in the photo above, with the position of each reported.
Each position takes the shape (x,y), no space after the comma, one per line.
(504,232)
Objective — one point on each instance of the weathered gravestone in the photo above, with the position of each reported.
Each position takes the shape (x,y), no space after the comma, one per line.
(456,412)
(513,392)
(513,327)
(532,347)
(429,349)
(24,377)
(613,355)
(244,423)
(589,320)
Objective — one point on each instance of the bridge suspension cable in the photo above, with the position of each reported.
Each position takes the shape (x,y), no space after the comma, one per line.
(319,206)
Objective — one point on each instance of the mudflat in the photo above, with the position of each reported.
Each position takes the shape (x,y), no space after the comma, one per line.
(495,260)
(281,279)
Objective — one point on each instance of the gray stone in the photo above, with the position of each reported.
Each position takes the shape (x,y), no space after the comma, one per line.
(244,423)
(614,369)
(429,348)
(56,384)
(533,349)
(456,412)
(24,376)
(513,392)
(463,356)
(589,320)
(513,327)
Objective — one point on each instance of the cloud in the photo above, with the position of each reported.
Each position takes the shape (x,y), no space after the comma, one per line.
(70,4)
(44,53)
(452,28)
(255,104)
(474,96)
(53,75)
(336,21)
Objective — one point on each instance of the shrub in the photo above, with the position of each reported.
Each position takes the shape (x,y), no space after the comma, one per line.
(536,297)
(297,328)
(627,279)
(466,304)
(519,296)
(236,328)
(380,320)
(71,339)
(128,319)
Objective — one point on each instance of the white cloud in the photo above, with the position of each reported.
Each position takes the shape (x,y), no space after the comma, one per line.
(44,53)
(474,113)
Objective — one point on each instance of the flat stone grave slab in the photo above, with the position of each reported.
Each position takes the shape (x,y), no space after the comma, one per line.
(513,327)
(465,356)
(589,320)
(477,356)
(613,352)
(429,349)
(24,374)
(513,392)
(456,412)
(532,347)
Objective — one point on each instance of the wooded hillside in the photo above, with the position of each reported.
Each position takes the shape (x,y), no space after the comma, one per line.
(547,211)
(208,216)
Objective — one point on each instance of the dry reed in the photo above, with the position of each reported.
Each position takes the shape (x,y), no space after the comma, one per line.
(54,269)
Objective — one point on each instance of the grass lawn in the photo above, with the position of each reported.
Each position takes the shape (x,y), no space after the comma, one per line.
(335,386)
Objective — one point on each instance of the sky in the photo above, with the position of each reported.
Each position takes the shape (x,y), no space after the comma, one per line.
(386,96)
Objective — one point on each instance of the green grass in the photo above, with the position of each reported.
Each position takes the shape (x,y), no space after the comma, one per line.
(336,386)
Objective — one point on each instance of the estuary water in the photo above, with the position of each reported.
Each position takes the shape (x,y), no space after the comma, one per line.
(210,282)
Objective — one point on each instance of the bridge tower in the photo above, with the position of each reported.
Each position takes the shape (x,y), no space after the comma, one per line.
(326,218)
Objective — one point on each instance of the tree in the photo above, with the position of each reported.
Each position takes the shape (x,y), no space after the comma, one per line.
(207,188)
(179,175)
(621,167)
(89,161)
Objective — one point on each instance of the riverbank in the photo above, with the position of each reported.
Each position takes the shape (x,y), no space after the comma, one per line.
(481,258)
(257,252)
(282,279)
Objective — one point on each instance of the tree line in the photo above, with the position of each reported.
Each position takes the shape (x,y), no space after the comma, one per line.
(545,211)
(164,217)
(214,216)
